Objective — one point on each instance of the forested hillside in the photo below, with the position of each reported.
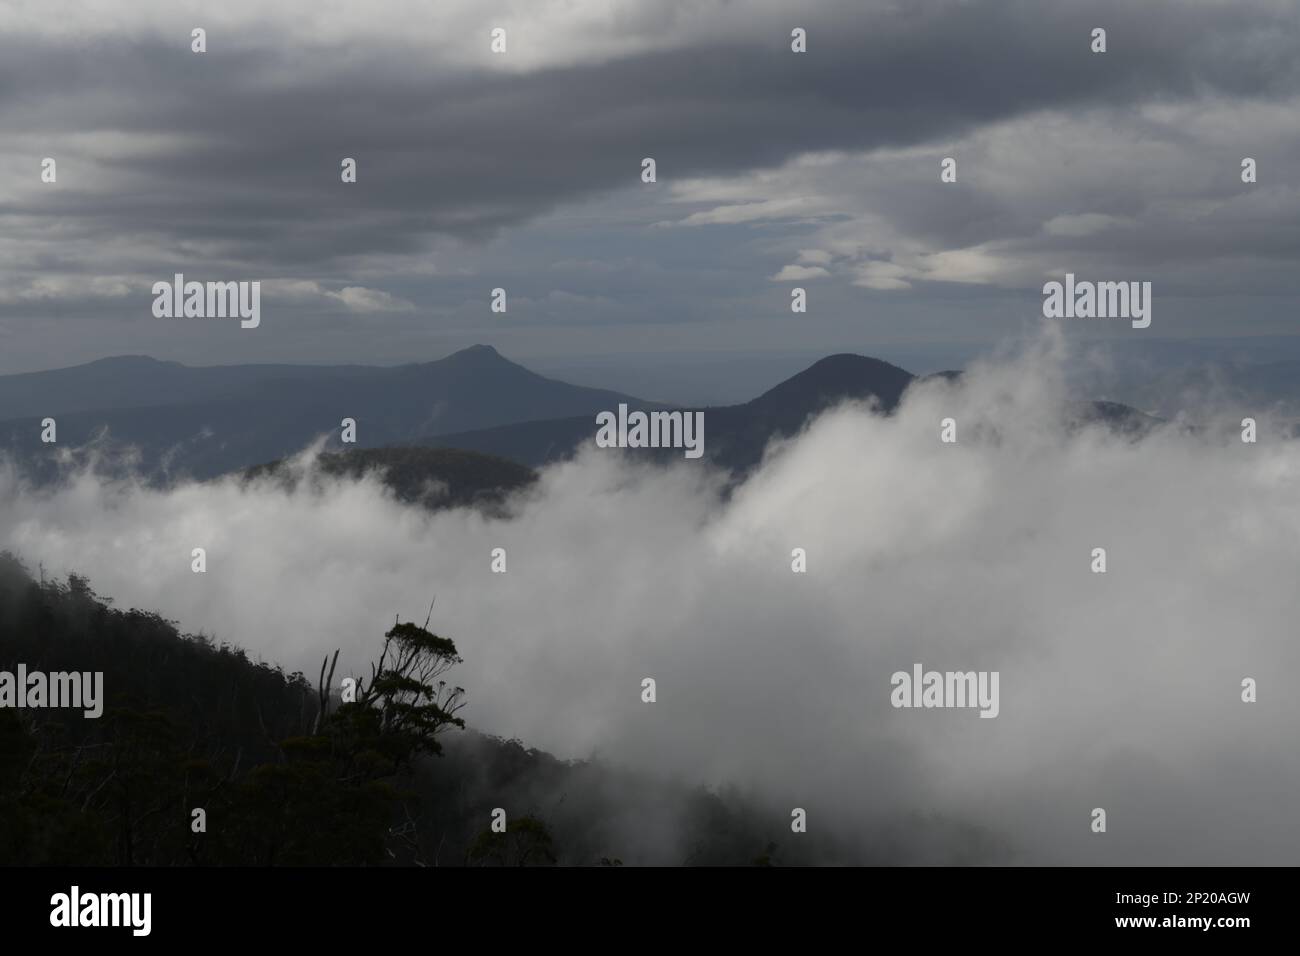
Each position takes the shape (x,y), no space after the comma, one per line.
(391,778)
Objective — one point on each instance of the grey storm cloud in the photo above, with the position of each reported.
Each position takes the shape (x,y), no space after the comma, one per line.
(479,171)
(239,149)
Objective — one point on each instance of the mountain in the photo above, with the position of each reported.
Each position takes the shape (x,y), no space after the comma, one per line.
(736,435)
(137,381)
(1119,418)
(202,422)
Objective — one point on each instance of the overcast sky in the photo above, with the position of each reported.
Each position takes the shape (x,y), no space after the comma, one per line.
(522,170)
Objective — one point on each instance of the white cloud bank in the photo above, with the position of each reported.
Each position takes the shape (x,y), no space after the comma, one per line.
(1118,690)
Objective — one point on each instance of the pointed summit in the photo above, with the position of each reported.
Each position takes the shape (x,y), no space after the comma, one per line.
(478,356)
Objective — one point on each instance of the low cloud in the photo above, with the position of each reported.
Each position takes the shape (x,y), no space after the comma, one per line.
(794,272)
(1118,690)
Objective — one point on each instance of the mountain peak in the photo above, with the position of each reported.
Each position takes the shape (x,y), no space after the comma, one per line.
(123,361)
(477,355)
(835,378)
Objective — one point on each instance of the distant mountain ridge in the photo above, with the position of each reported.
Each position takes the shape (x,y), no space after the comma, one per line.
(137,381)
(202,422)
(224,419)
(737,435)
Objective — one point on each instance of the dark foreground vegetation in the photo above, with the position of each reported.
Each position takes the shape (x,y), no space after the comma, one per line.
(286,775)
